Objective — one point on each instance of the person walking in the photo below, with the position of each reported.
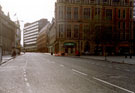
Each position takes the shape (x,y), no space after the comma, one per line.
(13,53)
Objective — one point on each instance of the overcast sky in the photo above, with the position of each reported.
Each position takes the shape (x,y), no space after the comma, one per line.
(28,10)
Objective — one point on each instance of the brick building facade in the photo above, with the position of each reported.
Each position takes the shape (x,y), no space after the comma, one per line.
(94,26)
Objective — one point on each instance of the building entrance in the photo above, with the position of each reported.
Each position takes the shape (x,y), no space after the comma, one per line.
(69,48)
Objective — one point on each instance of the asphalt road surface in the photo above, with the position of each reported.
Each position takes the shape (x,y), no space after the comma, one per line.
(43,73)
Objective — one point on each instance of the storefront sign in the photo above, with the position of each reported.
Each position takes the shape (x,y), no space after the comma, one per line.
(69,44)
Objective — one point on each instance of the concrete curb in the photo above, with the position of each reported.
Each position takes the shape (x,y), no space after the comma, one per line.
(5,61)
(116,62)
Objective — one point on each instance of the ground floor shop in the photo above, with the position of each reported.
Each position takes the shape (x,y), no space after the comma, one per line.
(83,47)
(72,47)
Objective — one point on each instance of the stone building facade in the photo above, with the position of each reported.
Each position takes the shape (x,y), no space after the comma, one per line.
(7,33)
(42,39)
(52,36)
(94,26)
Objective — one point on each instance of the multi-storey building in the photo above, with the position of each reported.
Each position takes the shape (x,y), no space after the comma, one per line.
(18,38)
(7,33)
(31,31)
(42,40)
(52,36)
(94,26)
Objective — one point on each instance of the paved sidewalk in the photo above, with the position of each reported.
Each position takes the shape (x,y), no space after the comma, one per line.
(6,58)
(113,59)
(117,59)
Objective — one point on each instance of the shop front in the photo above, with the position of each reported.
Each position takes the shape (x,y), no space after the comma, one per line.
(70,48)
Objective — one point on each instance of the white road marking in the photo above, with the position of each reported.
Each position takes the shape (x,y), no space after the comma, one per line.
(79,72)
(26,79)
(24,75)
(28,85)
(129,91)
(24,72)
(62,65)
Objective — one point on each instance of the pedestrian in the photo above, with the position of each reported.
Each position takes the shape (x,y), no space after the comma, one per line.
(13,53)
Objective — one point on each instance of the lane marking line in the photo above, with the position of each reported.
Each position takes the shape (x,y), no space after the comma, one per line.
(62,65)
(28,85)
(24,75)
(105,82)
(24,72)
(25,79)
(79,72)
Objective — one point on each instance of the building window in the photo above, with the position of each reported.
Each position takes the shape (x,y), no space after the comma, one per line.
(119,14)
(104,1)
(76,13)
(124,25)
(108,14)
(97,13)
(119,25)
(131,13)
(68,31)
(76,31)
(86,1)
(61,12)
(86,31)
(61,30)
(69,13)
(77,1)
(124,30)
(124,13)
(86,13)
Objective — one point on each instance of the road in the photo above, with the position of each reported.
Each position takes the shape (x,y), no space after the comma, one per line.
(43,73)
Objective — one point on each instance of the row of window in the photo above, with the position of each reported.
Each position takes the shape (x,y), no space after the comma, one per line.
(74,13)
(31,25)
(70,31)
(108,2)
(123,25)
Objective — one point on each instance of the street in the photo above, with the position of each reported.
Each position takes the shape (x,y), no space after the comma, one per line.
(43,73)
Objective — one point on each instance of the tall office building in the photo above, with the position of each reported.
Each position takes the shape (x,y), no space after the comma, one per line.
(31,31)
(94,26)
